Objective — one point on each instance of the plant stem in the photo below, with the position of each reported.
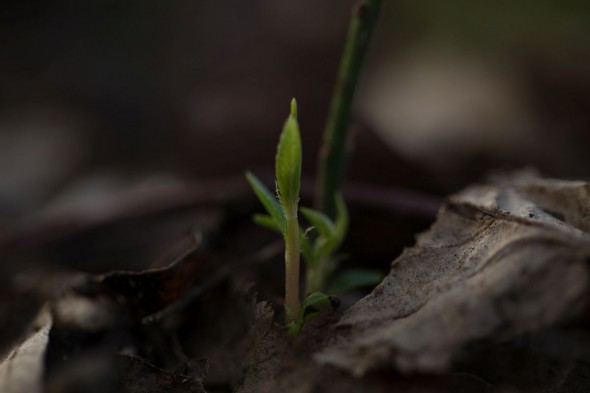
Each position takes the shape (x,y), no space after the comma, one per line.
(292,303)
(317,275)
(335,147)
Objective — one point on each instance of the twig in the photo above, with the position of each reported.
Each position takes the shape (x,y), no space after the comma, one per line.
(335,148)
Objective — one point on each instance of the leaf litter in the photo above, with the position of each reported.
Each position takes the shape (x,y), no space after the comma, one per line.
(493,296)
(504,262)
(495,264)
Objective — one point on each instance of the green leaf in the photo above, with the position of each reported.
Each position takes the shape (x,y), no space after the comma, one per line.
(311,306)
(331,235)
(305,244)
(294,328)
(355,279)
(315,300)
(268,200)
(320,221)
(266,221)
(341,224)
(288,161)
(322,249)
(309,317)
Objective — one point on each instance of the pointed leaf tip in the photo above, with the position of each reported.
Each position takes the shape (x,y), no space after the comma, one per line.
(288,161)
(294,107)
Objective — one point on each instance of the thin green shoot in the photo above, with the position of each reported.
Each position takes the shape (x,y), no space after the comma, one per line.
(319,243)
(282,210)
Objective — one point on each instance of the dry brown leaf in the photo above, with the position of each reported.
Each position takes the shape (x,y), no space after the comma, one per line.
(22,370)
(502,259)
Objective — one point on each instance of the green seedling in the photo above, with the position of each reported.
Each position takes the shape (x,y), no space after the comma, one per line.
(319,252)
(312,305)
(318,243)
(282,210)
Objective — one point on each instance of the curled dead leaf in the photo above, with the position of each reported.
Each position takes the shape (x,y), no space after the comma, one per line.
(501,260)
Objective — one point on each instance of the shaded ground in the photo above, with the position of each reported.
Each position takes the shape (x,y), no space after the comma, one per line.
(492,298)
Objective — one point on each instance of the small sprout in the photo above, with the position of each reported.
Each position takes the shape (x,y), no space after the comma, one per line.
(312,305)
(288,162)
(282,213)
(319,253)
(318,243)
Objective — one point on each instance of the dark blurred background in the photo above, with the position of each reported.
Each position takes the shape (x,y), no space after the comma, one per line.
(109,106)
